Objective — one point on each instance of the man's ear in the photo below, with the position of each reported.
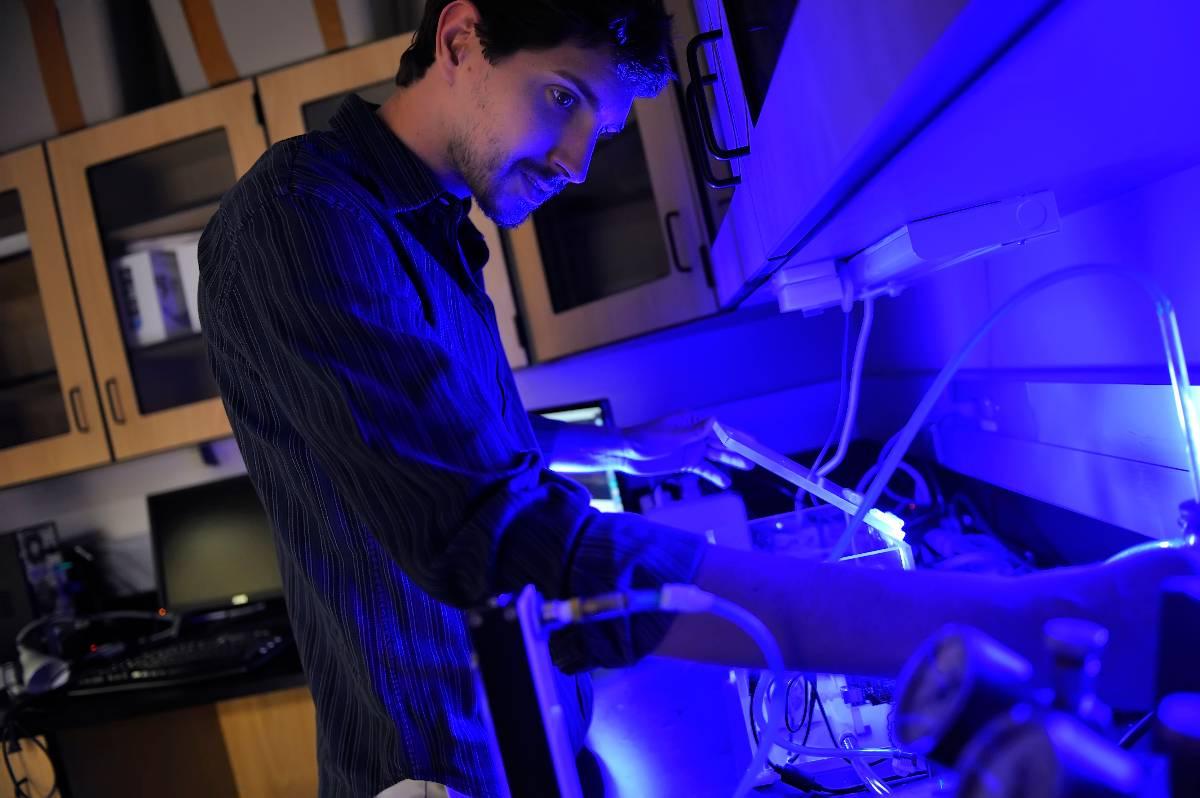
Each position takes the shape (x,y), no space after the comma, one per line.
(455,37)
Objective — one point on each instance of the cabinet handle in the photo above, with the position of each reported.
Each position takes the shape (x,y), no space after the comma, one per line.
(75,396)
(703,116)
(114,401)
(671,215)
(695,101)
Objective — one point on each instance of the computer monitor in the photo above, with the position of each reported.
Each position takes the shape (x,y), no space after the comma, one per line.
(604,486)
(213,547)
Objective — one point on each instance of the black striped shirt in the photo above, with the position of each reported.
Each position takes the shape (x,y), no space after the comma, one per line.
(359,361)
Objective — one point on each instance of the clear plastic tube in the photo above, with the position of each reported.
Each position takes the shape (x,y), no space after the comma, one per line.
(860,354)
(1176,364)
(689,598)
(872,781)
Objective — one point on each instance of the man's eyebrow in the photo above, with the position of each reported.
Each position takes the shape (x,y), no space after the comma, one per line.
(588,95)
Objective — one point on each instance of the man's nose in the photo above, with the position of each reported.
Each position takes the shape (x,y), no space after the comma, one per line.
(573,157)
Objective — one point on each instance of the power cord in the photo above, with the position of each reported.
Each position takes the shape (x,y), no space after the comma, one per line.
(11,732)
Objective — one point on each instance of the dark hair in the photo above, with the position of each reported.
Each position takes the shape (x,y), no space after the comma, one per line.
(638,31)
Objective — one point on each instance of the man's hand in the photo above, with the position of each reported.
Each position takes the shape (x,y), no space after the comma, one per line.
(1125,597)
(681,443)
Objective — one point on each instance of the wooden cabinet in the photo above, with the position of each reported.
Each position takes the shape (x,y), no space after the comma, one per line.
(50,421)
(304,97)
(271,741)
(31,766)
(130,188)
(258,746)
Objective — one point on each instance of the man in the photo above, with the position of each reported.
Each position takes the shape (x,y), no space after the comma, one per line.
(358,359)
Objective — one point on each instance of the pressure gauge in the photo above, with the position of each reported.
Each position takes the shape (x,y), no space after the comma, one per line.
(955,683)
(1034,753)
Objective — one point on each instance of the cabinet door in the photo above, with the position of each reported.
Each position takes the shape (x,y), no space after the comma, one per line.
(50,419)
(271,741)
(622,253)
(134,195)
(305,97)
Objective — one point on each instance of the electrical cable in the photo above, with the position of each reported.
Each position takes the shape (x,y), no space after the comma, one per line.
(812,715)
(1176,365)
(1137,731)
(10,731)
(843,391)
(787,702)
(856,372)
(922,495)
(761,694)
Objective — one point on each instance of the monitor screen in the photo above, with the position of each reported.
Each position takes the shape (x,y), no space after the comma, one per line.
(213,546)
(603,485)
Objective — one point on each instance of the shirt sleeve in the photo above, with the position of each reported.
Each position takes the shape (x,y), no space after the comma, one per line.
(319,310)
(546,430)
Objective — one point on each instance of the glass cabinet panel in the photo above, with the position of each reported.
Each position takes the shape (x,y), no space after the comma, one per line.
(757,29)
(602,237)
(318,113)
(134,195)
(32,407)
(622,253)
(150,209)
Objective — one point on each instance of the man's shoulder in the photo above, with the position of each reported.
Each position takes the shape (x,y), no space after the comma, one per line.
(311,169)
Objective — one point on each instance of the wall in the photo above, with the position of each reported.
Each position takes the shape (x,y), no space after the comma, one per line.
(1066,400)
(109,504)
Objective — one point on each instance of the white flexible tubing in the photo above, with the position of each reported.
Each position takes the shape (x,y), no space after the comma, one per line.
(856,372)
(1176,364)
(689,598)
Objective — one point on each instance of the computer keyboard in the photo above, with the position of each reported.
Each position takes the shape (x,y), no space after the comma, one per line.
(181,661)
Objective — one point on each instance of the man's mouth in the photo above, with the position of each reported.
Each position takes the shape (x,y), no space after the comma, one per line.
(541,191)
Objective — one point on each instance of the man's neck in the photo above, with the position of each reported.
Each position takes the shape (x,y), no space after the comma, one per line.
(415,118)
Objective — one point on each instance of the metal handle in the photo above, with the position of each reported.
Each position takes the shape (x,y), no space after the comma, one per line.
(699,106)
(706,171)
(75,397)
(114,400)
(671,241)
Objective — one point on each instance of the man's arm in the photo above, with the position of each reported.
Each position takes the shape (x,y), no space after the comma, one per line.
(845,619)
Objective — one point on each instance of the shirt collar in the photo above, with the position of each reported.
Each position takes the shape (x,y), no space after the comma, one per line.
(406,182)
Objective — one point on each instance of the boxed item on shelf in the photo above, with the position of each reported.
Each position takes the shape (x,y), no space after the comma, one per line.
(185,248)
(150,297)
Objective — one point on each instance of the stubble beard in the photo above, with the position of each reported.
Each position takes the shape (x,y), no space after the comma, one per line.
(483,172)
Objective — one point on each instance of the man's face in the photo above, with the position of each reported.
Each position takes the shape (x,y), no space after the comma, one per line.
(529,124)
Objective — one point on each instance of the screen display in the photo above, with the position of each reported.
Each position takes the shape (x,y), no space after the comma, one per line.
(602,485)
(213,546)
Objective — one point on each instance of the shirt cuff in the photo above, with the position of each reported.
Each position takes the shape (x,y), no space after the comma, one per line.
(618,551)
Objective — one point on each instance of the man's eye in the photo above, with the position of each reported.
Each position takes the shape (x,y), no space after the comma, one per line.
(563,99)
